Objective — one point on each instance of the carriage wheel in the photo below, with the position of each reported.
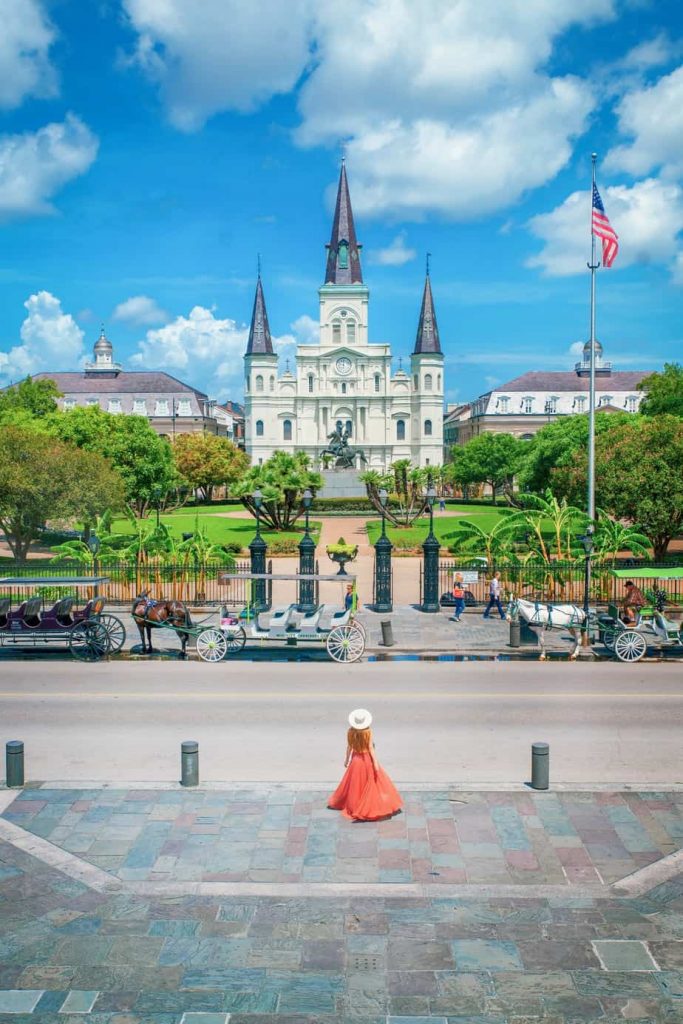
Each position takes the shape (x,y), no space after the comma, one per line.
(116,631)
(608,638)
(629,646)
(89,641)
(235,639)
(345,643)
(211,645)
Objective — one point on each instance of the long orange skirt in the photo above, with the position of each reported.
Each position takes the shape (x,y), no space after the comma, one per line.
(363,796)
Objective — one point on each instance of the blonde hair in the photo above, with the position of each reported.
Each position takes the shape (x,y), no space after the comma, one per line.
(359,740)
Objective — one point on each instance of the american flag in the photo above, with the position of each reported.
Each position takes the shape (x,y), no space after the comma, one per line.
(601,227)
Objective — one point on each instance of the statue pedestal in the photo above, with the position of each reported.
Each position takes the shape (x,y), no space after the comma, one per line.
(342,483)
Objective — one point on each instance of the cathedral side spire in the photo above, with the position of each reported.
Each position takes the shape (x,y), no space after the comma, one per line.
(343,252)
(260,342)
(427,340)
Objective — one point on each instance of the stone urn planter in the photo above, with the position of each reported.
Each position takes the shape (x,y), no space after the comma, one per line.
(342,553)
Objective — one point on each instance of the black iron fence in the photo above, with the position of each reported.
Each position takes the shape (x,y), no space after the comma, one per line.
(553,581)
(195,583)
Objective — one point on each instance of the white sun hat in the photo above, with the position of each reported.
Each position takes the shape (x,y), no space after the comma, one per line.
(360,719)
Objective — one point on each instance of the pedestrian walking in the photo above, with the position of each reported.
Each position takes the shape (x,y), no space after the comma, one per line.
(365,793)
(458,598)
(494,596)
(442,504)
(351,602)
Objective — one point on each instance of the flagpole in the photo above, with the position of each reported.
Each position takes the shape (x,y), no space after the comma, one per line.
(593,266)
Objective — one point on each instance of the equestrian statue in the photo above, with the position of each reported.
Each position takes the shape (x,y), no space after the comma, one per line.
(342,451)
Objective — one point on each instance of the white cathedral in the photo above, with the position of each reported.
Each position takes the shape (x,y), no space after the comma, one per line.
(344,382)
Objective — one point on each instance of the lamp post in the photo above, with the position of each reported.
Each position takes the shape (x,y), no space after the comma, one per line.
(430,562)
(383,549)
(306,561)
(156,494)
(587,542)
(257,550)
(94,545)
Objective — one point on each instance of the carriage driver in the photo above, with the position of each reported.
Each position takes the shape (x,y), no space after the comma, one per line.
(632,603)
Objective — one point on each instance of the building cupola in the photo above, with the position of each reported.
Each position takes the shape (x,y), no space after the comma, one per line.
(103,361)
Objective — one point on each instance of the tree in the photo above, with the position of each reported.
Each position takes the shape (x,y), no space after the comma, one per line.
(406,484)
(663,392)
(28,401)
(612,537)
(496,544)
(282,480)
(206,461)
(564,521)
(143,459)
(42,478)
(490,458)
(638,476)
(555,446)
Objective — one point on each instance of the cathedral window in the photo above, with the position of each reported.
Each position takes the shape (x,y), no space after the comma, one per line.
(438,382)
(343,388)
(428,428)
(428,382)
(349,428)
(351,332)
(400,430)
(259,382)
(272,382)
(336,332)
(287,430)
(378,382)
(415,382)
(343,255)
(259,428)
(310,382)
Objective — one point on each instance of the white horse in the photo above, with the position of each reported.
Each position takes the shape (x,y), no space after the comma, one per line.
(548,616)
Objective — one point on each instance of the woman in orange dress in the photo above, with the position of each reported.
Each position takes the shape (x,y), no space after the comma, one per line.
(366,793)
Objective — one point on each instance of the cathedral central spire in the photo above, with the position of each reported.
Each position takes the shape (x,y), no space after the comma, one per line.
(427,339)
(260,342)
(343,252)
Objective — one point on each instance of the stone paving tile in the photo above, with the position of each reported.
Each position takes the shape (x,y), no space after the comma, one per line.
(483,838)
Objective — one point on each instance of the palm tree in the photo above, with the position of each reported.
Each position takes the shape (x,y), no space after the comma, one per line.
(564,521)
(612,536)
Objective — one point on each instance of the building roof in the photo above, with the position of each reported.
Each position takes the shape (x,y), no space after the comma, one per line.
(343,252)
(260,342)
(568,380)
(125,382)
(427,339)
(234,408)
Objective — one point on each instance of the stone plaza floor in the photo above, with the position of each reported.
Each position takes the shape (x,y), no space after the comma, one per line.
(259,906)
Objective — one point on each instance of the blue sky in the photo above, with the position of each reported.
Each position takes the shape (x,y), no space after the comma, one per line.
(149,149)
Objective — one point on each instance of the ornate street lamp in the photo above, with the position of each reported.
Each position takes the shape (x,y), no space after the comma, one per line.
(258,549)
(588,543)
(430,561)
(383,549)
(156,494)
(307,601)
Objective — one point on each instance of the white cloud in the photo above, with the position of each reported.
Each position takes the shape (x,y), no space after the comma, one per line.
(229,56)
(307,330)
(576,348)
(653,117)
(51,340)
(647,217)
(25,40)
(140,309)
(393,255)
(451,110)
(652,53)
(208,350)
(35,165)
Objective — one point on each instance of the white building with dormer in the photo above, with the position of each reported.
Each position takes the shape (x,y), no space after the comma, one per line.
(345,381)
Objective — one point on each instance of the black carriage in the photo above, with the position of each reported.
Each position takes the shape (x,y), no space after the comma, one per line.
(53,611)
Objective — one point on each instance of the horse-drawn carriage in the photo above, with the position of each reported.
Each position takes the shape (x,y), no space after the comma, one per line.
(35,614)
(629,641)
(335,626)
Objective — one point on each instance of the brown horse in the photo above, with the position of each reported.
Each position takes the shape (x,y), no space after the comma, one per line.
(149,615)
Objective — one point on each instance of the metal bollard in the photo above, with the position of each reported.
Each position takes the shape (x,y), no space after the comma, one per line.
(387,633)
(14,764)
(540,765)
(515,633)
(189,763)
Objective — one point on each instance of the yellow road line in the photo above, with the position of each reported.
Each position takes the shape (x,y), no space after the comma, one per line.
(345,696)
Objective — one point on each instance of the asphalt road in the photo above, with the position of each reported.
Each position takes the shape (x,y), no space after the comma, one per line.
(450,723)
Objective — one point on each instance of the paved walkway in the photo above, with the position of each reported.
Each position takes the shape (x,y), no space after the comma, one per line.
(280,835)
(72,948)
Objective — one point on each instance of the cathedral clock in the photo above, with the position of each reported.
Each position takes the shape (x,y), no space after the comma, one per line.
(343,365)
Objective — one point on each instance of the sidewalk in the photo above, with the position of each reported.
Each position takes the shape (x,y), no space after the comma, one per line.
(106,919)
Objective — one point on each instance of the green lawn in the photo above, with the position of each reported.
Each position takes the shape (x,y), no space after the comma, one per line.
(445,526)
(220,530)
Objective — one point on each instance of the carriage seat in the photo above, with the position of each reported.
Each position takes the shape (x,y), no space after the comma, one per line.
(332,615)
(30,611)
(4,611)
(279,621)
(61,611)
(308,626)
(671,628)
